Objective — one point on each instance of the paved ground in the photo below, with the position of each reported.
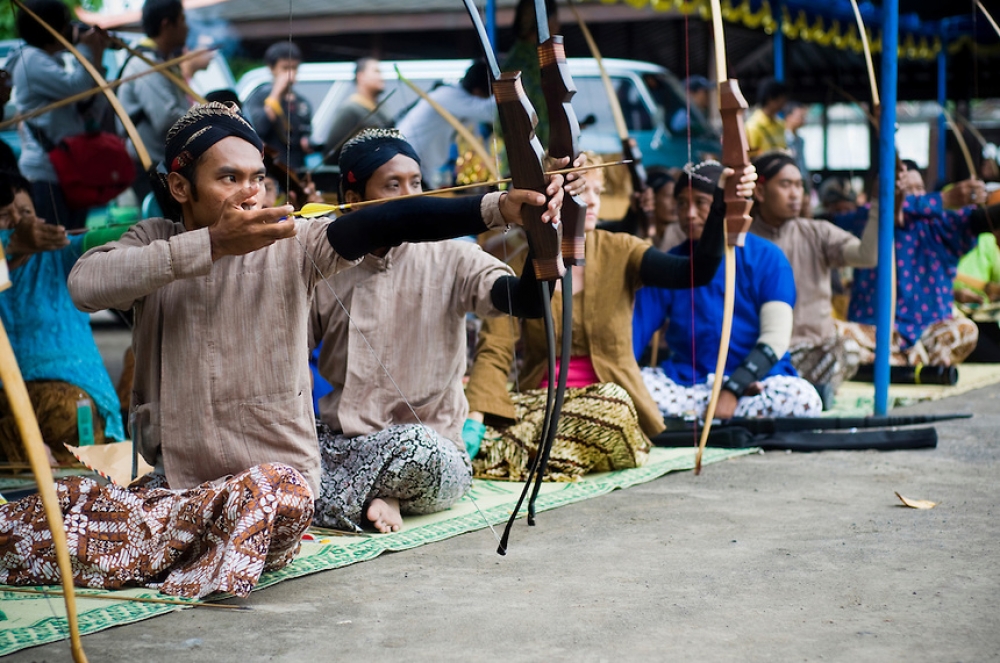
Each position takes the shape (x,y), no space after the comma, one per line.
(772,557)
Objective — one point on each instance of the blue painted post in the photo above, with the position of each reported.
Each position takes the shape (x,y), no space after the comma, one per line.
(886,201)
(491,20)
(779,47)
(942,97)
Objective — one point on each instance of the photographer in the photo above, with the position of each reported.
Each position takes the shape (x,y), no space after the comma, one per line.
(40,78)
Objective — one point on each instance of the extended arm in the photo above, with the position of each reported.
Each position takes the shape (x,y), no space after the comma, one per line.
(665,270)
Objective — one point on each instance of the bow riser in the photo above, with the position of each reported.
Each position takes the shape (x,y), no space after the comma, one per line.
(564,132)
(518,118)
(732,106)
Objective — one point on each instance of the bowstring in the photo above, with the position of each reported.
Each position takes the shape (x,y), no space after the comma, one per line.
(351,321)
(690,187)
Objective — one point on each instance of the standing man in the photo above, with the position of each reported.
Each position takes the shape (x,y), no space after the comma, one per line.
(430,134)
(282,117)
(765,130)
(698,88)
(154,103)
(361,110)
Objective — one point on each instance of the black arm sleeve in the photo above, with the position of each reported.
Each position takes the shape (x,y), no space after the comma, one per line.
(520,296)
(628,223)
(390,224)
(985,220)
(664,270)
(756,365)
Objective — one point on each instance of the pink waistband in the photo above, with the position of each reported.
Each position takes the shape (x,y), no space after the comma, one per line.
(581,373)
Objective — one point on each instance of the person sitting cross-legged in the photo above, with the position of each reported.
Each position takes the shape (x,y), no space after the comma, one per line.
(759,379)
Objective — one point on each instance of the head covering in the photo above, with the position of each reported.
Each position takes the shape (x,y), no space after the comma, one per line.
(770,164)
(836,190)
(190,137)
(696,83)
(367,152)
(201,128)
(703,177)
(657,179)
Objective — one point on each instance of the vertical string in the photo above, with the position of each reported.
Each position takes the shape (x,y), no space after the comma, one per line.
(687,101)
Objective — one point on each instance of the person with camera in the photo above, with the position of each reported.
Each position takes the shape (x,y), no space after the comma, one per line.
(40,77)
(154,102)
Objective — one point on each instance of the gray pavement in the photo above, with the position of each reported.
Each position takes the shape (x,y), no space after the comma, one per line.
(770,557)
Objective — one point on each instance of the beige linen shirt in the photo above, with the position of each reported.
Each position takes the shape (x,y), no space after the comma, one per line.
(813,247)
(221,373)
(403,342)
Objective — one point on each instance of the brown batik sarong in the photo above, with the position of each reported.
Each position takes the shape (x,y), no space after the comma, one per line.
(598,432)
(943,343)
(217,537)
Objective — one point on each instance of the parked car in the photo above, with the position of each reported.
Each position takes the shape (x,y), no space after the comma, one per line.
(648,93)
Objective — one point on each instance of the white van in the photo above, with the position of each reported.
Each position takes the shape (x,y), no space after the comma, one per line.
(649,96)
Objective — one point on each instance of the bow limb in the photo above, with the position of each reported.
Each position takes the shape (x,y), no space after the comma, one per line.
(524,153)
(630,150)
(462,130)
(737,220)
(86,94)
(24,414)
(169,75)
(133,134)
(564,142)
(989,17)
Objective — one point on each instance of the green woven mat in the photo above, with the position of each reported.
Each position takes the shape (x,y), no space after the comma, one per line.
(30,620)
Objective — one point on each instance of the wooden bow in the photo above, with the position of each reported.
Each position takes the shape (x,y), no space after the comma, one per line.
(524,153)
(734,155)
(630,150)
(27,425)
(564,142)
(133,134)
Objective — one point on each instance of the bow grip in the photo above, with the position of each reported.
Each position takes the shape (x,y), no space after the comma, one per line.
(564,134)
(732,105)
(524,154)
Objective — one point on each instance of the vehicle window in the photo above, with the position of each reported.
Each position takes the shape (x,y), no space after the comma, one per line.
(670,98)
(313,91)
(591,100)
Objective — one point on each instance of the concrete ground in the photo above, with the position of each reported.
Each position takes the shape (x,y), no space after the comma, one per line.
(771,557)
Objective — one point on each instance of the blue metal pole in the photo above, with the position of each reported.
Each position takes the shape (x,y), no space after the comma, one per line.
(491,20)
(779,47)
(942,97)
(886,201)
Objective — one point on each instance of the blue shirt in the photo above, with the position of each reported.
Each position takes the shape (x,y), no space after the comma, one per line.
(928,248)
(763,274)
(50,336)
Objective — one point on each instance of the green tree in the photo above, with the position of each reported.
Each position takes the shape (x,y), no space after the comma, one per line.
(7,29)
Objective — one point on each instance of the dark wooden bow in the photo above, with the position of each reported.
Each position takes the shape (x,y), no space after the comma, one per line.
(524,154)
(564,141)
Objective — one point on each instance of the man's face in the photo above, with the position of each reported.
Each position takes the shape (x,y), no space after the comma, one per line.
(592,197)
(780,198)
(228,166)
(693,207)
(912,183)
(795,118)
(286,67)
(666,206)
(22,209)
(399,176)
(176,32)
(370,78)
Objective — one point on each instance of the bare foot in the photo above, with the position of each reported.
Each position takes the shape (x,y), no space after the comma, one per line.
(384,514)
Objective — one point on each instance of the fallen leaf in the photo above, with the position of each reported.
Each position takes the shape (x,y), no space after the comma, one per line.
(916,504)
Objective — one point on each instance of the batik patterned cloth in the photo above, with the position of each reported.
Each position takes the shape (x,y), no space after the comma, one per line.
(598,432)
(411,463)
(943,343)
(217,537)
(782,396)
(829,362)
